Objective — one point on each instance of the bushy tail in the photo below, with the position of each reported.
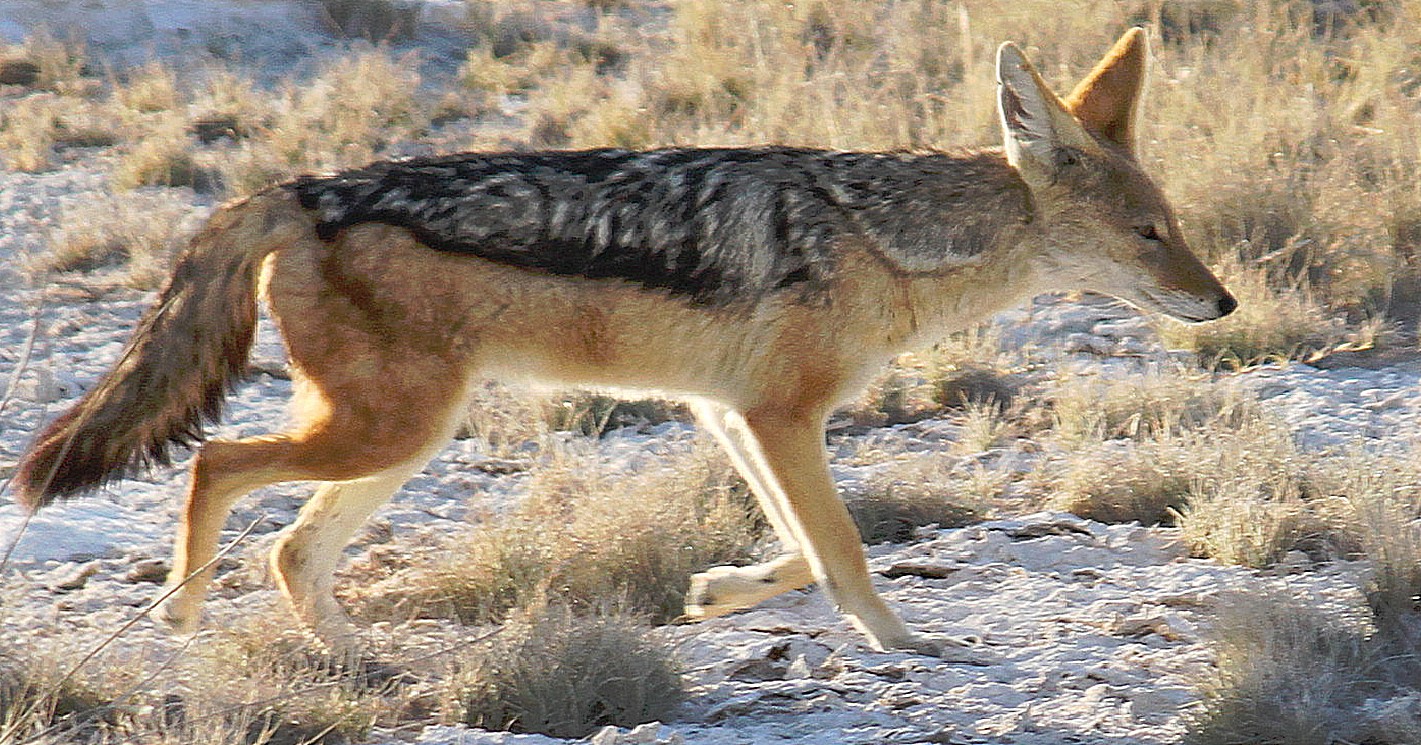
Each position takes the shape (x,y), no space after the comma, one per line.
(186,353)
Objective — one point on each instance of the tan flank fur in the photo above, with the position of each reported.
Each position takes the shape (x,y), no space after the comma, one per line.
(387,336)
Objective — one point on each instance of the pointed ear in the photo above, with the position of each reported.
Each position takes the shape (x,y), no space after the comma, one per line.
(1107,100)
(1036,127)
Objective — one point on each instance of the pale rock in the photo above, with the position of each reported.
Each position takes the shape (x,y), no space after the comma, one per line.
(70,577)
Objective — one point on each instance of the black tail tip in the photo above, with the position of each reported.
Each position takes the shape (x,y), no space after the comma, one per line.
(26,494)
(41,477)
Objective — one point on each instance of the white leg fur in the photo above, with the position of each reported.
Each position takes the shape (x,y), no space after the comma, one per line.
(785,462)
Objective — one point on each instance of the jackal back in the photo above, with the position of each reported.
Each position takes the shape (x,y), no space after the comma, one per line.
(714,225)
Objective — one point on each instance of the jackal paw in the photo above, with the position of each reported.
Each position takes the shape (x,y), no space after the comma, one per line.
(722,590)
(177,619)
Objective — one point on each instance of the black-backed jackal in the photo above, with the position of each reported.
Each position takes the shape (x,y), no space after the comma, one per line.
(763,285)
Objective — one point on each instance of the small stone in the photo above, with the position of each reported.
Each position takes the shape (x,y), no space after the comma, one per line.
(757,670)
(147,570)
(642,734)
(70,577)
(608,735)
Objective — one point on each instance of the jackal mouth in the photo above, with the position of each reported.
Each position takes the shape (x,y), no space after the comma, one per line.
(1187,307)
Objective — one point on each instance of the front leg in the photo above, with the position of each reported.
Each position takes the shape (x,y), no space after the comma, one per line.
(785,453)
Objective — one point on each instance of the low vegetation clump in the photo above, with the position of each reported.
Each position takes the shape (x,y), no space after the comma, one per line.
(40,702)
(1119,482)
(348,113)
(915,493)
(1162,401)
(966,371)
(584,534)
(164,157)
(280,688)
(125,241)
(552,671)
(1291,672)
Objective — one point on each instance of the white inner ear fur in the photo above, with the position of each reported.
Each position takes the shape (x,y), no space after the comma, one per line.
(1034,121)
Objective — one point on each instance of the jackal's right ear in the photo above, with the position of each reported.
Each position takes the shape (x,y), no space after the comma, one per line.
(1036,127)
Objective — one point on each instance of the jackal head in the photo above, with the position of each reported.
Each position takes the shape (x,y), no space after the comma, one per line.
(1107,226)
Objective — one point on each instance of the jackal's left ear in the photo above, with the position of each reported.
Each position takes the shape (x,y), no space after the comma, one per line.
(1037,130)
(1107,101)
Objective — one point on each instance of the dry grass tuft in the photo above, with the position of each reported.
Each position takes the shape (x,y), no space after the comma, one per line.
(968,371)
(43,62)
(1291,673)
(927,490)
(585,534)
(280,689)
(164,157)
(35,129)
(1379,501)
(125,241)
(38,704)
(27,135)
(227,105)
(1252,501)
(1167,400)
(344,117)
(592,414)
(557,673)
(149,89)
(1117,482)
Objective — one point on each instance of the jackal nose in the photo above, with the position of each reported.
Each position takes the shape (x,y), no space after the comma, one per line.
(1227,304)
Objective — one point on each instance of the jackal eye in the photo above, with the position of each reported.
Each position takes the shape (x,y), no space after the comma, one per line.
(1149,233)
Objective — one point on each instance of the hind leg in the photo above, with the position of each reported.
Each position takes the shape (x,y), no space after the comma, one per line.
(305,557)
(365,439)
(221,474)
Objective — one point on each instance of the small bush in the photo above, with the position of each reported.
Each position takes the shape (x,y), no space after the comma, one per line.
(1086,410)
(274,689)
(149,89)
(27,135)
(1291,673)
(228,105)
(1380,502)
(553,672)
(162,158)
(1146,482)
(40,699)
(929,490)
(125,241)
(344,117)
(592,415)
(1254,500)
(61,64)
(586,536)
(967,371)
